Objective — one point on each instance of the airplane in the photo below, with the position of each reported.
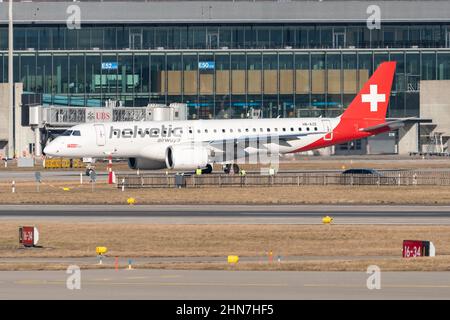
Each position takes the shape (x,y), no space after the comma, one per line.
(198,144)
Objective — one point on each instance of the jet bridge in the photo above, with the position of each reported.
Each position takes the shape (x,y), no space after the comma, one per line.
(50,121)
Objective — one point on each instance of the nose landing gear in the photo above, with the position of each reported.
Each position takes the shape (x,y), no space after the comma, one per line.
(207,170)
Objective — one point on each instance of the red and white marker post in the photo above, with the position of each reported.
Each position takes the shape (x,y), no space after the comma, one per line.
(110,173)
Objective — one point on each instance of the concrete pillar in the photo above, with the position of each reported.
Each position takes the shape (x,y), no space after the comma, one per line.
(10,148)
(23,136)
(37,142)
(4,118)
(408,138)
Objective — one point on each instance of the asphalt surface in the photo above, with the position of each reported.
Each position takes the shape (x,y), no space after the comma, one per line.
(185,285)
(232,214)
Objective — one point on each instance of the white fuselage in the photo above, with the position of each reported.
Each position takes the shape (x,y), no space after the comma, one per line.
(150,139)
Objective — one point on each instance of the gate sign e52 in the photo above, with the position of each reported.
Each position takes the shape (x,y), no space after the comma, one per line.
(110,65)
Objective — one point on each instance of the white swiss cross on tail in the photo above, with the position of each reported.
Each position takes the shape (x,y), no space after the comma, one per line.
(373,97)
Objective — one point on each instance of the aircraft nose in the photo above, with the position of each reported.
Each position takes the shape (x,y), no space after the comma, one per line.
(51,150)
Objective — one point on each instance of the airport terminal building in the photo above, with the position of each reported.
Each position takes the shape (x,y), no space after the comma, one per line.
(226,59)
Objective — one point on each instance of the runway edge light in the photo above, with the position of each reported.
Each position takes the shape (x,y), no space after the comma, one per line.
(327,220)
(233,259)
(101,250)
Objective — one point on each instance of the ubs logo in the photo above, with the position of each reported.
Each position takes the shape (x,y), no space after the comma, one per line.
(103,116)
(162,132)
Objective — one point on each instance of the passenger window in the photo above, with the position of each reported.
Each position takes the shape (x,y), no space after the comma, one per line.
(268,129)
(223,130)
(300,129)
(231,130)
(190,130)
(198,131)
(307,129)
(284,129)
(261,129)
(276,129)
(315,128)
(115,133)
(246,129)
(206,130)
(254,129)
(239,130)
(215,130)
(292,129)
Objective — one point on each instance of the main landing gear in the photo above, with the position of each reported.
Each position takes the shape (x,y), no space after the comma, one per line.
(228,168)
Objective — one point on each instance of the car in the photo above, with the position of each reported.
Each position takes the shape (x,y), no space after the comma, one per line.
(363,176)
(362,171)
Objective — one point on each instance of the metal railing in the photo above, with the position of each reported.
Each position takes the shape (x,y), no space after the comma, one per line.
(388,178)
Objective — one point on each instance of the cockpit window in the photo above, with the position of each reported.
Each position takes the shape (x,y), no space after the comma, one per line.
(76,133)
(67,133)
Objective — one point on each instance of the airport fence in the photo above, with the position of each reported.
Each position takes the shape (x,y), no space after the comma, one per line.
(387,178)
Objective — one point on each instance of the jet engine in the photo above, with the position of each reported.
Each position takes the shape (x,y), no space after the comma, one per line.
(145,164)
(186,157)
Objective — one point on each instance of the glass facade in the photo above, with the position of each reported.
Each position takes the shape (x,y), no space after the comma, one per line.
(222,71)
(226,84)
(247,36)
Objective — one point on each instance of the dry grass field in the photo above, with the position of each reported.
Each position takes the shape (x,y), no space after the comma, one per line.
(53,193)
(149,240)
(333,243)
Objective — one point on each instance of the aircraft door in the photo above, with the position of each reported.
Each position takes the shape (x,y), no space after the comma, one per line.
(100,134)
(329,130)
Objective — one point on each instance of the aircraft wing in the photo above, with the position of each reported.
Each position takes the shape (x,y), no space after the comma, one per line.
(224,150)
(245,141)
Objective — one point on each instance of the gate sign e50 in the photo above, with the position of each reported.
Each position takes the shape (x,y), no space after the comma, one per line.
(28,236)
(206,65)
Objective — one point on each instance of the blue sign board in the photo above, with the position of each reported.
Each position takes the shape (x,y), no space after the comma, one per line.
(206,65)
(110,65)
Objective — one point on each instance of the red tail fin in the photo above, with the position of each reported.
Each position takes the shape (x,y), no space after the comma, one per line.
(372,100)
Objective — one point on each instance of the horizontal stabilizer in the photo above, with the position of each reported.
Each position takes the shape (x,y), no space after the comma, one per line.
(390,125)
